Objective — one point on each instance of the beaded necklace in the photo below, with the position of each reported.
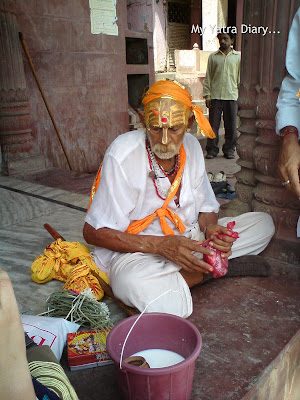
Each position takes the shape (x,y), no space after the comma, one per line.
(157,172)
(172,171)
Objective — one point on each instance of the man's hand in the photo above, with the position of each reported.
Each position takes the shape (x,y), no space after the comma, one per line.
(225,243)
(175,248)
(289,162)
(208,103)
(179,250)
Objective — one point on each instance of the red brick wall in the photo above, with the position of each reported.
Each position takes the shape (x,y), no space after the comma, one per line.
(83,77)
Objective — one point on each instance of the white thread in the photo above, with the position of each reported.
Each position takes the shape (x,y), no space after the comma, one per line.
(168,291)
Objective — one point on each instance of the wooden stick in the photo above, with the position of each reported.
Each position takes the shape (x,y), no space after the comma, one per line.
(105,286)
(53,232)
(43,96)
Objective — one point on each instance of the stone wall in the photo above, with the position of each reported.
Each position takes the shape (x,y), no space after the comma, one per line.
(150,16)
(139,15)
(82,75)
(159,37)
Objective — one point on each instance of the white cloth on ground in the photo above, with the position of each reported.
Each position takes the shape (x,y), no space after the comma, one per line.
(138,278)
(126,192)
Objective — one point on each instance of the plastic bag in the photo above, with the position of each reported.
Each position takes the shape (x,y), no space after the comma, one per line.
(49,331)
(218,263)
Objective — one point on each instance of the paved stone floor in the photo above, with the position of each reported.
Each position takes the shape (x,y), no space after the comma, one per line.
(244,322)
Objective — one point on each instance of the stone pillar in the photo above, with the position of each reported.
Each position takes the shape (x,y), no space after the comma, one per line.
(263,68)
(222,12)
(196,19)
(239,21)
(15,128)
(209,24)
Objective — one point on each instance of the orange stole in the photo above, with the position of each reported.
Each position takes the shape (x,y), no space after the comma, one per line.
(163,212)
(95,186)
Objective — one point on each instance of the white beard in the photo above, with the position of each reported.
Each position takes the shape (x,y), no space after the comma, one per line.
(162,151)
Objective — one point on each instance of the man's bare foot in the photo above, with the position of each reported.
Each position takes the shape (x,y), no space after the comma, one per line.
(15,379)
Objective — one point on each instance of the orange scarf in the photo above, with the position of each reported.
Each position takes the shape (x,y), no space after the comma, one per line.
(164,212)
(173,91)
(95,186)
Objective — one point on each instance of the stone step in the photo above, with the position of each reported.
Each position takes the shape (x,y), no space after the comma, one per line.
(29,163)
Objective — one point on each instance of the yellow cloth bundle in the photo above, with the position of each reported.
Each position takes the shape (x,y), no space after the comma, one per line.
(70,262)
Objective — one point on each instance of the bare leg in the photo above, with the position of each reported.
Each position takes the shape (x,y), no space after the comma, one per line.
(15,379)
(240,266)
(192,278)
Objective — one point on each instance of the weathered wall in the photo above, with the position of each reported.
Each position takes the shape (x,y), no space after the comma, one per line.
(159,37)
(83,77)
(150,16)
(222,12)
(140,16)
(209,24)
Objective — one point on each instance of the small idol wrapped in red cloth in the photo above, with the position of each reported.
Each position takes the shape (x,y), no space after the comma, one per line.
(216,261)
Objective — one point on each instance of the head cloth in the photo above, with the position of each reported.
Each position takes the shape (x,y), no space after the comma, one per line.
(172,90)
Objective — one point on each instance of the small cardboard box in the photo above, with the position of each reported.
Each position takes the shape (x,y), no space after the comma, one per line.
(87,349)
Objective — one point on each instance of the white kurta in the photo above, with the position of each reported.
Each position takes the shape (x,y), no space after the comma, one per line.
(127,193)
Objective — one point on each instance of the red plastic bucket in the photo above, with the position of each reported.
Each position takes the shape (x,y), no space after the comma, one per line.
(155,331)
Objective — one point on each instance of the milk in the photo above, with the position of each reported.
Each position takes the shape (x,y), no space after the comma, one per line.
(159,358)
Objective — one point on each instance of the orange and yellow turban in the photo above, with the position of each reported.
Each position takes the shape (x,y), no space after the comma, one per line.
(171,90)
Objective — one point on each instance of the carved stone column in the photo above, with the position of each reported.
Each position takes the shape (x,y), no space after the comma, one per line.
(269,195)
(196,19)
(247,113)
(263,68)
(15,128)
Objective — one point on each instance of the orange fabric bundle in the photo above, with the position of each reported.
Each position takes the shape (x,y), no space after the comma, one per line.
(172,90)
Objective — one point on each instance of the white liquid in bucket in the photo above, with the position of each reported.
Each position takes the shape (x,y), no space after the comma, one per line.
(159,358)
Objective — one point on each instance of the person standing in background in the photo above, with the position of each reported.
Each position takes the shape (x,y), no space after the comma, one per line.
(220,91)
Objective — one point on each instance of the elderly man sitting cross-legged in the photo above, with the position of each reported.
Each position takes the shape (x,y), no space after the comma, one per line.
(154,207)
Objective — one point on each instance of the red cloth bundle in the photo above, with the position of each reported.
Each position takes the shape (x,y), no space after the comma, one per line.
(218,263)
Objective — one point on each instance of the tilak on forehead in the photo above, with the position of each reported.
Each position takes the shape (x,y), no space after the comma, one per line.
(167,103)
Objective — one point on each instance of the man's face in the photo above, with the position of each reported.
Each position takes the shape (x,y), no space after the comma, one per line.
(166,123)
(165,142)
(225,41)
